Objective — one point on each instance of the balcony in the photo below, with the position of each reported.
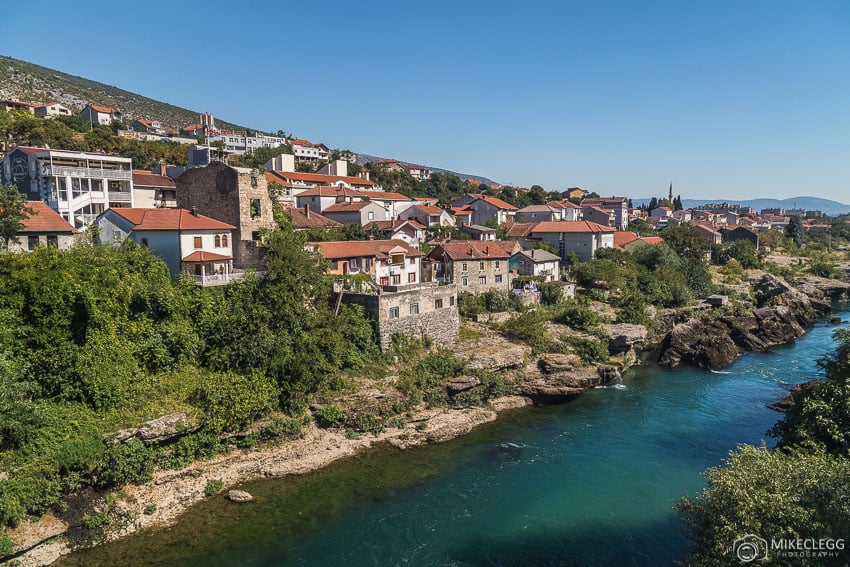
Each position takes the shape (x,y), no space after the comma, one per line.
(86,172)
(210,280)
(119,196)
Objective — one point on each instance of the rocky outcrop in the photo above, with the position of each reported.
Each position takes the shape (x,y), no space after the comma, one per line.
(158,430)
(713,342)
(461,384)
(239,496)
(826,288)
(797,390)
(556,378)
(623,336)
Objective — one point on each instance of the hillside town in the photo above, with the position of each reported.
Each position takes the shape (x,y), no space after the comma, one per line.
(407,257)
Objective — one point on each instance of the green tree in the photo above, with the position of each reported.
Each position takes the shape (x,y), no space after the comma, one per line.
(13,210)
(795,230)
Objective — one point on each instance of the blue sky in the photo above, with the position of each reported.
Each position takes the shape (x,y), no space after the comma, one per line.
(738,99)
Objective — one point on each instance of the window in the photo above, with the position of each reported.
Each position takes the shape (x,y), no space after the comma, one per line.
(414,309)
(217,241)
(452,301)
(498,264)
(393,312)
(253,181)
(464,282)
(255,235)
(480,265)
(32,242)
(224,240)
(145,242)
(198,242)
(413,261)
(371,215)
(438,304)
(411,277)
(255,208)
(482,280)
(464,266)
(499,278)
(396,279)
(397,258)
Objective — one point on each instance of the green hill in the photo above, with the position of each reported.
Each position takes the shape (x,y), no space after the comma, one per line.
(33,83)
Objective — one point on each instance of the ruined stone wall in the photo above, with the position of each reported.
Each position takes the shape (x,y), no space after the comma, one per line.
(241,199)
(437,315)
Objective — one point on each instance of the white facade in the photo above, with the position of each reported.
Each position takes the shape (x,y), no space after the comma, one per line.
(239,143)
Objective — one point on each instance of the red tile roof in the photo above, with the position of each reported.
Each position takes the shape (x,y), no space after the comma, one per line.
(569,226)
(562,205)
(346,207)
(496,202)
(303,219)
(386,196)
(192,127)
(430,209)
(474,249)
(360,248)
(300,142)
(142,178)
(392,225)
(520,229)
(102,109)
(45,219)
(201,256)
(331,191)
(536,209)
(289,176)
(623,238)
(653,240)
(169,219)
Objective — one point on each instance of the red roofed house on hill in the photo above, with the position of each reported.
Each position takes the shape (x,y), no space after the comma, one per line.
(582,237)
(235,197)
(395,297)
(96,114)
(474,265)
(44,227)
(486,209)
(303,218)
(618,205)
(186,241)
(428,215)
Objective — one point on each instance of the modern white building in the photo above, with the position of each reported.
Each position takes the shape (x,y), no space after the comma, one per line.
(77,185)
(95,114)
(240,143)
(305,150)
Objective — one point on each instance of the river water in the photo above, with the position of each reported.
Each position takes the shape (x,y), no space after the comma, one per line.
(591,482)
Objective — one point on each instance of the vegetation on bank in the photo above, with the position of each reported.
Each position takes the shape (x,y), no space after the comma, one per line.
(798,490)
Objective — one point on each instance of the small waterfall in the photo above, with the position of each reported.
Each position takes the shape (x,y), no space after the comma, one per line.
(617,381)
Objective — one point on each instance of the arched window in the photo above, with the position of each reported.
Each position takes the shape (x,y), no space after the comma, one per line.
(217,241)
(224,240)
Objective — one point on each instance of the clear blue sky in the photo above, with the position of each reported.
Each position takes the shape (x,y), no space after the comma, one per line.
(735,99)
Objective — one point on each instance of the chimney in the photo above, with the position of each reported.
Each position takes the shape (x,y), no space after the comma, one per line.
(307,211)
(163,168)
(194,211)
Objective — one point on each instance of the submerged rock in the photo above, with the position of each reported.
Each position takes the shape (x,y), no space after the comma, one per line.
(239,496)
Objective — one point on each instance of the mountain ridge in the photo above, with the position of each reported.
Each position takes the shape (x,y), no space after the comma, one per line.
(808,203)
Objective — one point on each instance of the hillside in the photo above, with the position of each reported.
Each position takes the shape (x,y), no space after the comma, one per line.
(808,203)
(363,159)
(33,83)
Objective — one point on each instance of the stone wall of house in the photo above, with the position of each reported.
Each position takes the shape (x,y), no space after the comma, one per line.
(436,317)
(241,199)
(472,270)
(527,297)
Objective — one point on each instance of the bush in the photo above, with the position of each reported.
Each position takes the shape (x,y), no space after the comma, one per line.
(589,350)
(328,415)
(578,316)
(551,294)
(131,462)
(213,487)
(231,402)
(7,546)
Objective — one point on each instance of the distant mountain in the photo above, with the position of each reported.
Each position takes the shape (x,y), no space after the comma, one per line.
(808,203)
(363,159)
(32,83)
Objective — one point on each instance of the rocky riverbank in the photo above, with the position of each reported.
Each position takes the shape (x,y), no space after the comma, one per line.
(775,313)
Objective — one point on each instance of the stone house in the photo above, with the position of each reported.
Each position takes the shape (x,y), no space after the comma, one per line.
(233,196)
(474,266)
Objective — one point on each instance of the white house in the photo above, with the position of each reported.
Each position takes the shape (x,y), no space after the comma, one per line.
(188,242)
(50,110)
(389,262)
(536,263)
(409,231)
(565,210)
(486,209)
(320,198)
(95,114)
(536,213)
(308,151)
(584,238)
(661,212)
(428,215)
(358,212)
(77,185)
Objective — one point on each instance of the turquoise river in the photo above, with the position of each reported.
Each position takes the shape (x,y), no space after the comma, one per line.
(590,482)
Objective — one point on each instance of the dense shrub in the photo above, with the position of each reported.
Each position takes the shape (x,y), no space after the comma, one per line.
(131,462)
(578,315)
(231,402)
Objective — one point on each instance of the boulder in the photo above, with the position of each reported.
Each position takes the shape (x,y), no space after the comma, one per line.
(159,429)
(623,336)
(551,363)
(797,390)
(239,496)
(695,342)
(461,384)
